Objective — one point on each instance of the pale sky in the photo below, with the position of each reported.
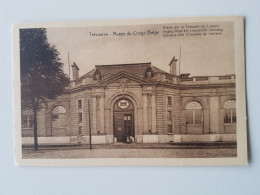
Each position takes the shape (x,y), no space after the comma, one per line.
(200,55)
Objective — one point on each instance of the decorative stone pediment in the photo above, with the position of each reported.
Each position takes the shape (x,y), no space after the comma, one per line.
(123,80)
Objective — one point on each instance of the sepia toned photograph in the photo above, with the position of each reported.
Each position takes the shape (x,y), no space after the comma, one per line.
(147,92)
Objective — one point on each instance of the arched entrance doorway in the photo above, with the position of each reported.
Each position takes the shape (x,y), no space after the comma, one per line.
(123,112)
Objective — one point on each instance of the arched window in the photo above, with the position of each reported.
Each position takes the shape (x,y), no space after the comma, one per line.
(193,113)
(58,117)
(230,112)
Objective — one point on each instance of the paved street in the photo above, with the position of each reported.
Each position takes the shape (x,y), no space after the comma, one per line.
(137,151)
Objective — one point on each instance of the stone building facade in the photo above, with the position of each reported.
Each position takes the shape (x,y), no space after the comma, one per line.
(139,102)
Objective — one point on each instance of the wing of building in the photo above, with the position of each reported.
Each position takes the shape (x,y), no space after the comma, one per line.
(139,102)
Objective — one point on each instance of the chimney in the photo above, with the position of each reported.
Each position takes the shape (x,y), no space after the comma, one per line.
(173,68)
(75,71)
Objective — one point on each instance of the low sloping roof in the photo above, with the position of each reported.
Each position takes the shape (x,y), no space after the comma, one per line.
(134,69)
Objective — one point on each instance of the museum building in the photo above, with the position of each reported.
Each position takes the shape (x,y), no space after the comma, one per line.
(139,102)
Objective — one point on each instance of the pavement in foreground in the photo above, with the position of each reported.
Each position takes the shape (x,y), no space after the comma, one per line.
(121,150)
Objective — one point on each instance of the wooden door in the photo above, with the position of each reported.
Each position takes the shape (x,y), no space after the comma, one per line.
(123,126)
(128,125)
(119,127)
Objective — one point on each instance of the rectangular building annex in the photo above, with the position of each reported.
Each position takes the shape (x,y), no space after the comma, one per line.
(138,102)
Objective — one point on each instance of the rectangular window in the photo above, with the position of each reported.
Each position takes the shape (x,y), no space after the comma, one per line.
(80,130)
(169,100)
(169,121)
(79,104)
(227,118)
(24,122)
(27,121)
(80,117)
(30,121)
(234,117)
(169,128)
(55,117)
(193,117)
(230,116)
(189,116)
(197,116)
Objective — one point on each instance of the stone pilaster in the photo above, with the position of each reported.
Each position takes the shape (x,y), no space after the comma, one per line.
(153,114)
(94,117)
(221,120)
(149,110)
(214,114)
(145,119)
(108,130)
(102,116)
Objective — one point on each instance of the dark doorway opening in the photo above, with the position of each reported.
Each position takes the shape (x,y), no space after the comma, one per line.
(123,120)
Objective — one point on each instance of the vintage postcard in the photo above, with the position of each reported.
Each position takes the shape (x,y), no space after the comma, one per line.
(142,92)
